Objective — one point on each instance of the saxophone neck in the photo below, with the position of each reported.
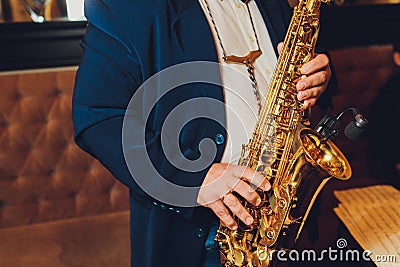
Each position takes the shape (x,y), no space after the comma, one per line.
(312,4)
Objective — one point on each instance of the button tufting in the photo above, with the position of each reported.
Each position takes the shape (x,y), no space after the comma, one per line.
(219,139)
(18,95)
(4,123)
(57,92)
(29,137)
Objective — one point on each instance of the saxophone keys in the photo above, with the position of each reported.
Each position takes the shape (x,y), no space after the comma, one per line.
(301,77)
(282,203)
(270,233)
(268,211)
(238,257)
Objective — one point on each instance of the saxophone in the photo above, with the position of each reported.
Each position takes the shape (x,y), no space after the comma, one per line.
(297,161)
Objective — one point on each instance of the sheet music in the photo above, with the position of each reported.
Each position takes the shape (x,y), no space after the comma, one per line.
(372,216)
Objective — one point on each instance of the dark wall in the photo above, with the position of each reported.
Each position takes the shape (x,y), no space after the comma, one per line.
(347,26)
(31,45)
(52,44)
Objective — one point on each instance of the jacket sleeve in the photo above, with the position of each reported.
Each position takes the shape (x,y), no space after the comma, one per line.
(108,76)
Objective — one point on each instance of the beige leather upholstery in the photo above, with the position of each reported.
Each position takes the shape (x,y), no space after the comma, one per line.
(44,176)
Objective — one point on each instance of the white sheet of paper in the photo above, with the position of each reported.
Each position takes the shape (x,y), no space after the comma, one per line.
(372,216)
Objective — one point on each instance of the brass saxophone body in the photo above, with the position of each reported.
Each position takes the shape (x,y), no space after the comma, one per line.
(297,160)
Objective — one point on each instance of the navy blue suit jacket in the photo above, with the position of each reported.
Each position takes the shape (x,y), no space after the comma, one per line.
(127,41)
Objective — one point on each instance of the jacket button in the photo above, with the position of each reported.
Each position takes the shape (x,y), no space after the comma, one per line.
(200,232)
(219,139)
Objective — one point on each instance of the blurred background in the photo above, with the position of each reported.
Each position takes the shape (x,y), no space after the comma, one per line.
(41,10)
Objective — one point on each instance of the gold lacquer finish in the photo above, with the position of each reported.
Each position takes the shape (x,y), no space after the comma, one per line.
(296,160)
(324,154)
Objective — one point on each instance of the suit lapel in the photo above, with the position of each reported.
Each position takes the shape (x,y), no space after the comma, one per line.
(192,32)
(194,39)
(272,14)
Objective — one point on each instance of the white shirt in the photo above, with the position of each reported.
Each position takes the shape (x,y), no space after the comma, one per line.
(234,26)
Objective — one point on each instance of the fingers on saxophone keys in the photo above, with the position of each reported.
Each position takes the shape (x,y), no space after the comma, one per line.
(253,177)
(223,214)
(310,102)
(320,61)
(313,84)
(280,47)
(237,209)
(246,191)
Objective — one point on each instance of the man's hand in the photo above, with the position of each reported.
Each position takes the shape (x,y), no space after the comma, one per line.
(317,73)
(216,192)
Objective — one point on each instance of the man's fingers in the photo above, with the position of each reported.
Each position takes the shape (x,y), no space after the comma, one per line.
(280,48)
(237,208)
(316,79)
(319,62)
(316,76)
(310,96)
(246,191)
(252,177)
(223,214)
(313,92)
(310,102)
(224,178)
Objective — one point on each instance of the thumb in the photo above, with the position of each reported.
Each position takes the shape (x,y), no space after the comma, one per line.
(280,48)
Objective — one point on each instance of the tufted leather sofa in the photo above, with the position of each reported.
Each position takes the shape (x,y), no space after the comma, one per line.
(49,188)
(60,207)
